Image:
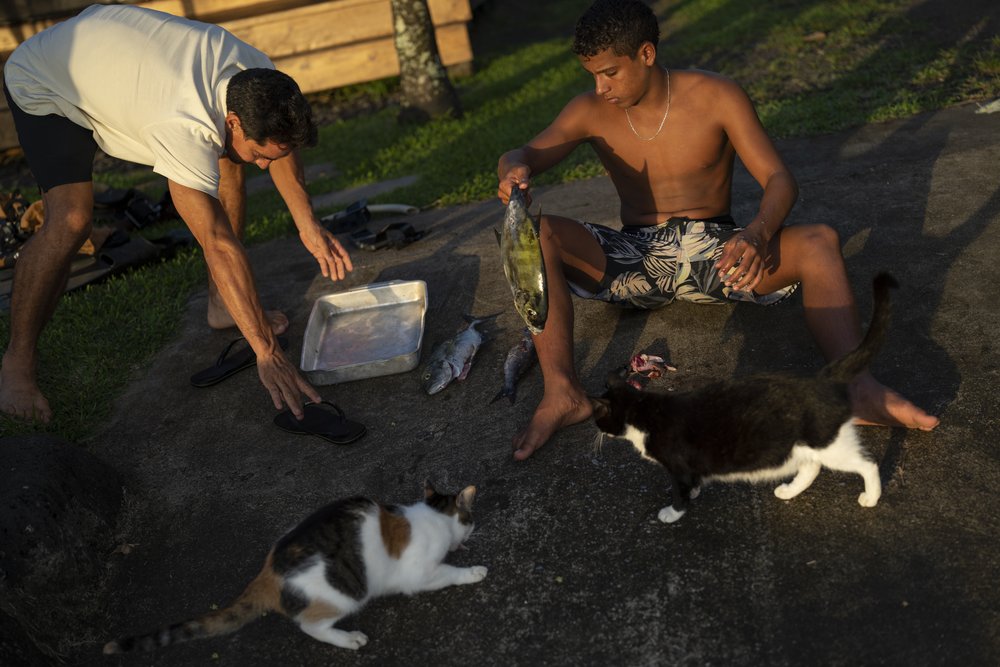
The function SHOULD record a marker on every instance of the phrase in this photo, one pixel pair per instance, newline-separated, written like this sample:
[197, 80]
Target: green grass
[810, 66]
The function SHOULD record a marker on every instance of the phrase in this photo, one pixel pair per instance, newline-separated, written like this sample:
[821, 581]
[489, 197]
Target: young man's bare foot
[219, 318]
[876, 405]
[552, 414]
[20, 397]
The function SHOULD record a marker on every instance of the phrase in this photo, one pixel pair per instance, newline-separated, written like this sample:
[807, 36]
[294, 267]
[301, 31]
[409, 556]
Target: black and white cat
[758, 428]
[337, 559]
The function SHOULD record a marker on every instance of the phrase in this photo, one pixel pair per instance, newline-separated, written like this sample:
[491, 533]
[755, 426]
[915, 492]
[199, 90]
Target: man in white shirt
[195, 103]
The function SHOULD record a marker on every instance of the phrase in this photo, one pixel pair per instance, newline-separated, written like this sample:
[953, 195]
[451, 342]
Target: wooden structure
[322, 45]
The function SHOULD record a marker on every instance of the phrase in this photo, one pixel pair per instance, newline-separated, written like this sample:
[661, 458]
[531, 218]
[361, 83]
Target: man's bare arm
[760, 157]
[748, 249]
[547, 149]
[289, 178]
[230, 269]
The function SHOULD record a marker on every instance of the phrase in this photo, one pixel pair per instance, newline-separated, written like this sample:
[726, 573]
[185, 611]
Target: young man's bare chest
[686, 169]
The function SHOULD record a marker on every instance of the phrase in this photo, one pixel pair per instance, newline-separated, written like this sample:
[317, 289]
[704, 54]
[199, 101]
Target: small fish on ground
[523, 264]
[519, 359]
[452, 359]
[648, 366]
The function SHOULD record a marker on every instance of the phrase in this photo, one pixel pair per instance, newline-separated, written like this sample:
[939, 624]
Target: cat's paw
[668, 514]
[475, 574]
[695, 492]
[868, 500]
[785, 491]
[353, 640]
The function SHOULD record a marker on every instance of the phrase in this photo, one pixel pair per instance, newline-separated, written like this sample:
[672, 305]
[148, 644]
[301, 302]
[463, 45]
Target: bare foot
[555, 411]
[219, 318]
[20, 397]
[876, 405]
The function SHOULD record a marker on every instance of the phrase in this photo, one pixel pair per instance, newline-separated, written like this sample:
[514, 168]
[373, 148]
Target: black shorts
[58, 150]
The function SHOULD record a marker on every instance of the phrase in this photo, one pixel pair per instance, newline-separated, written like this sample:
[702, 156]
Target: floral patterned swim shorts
[650, 266]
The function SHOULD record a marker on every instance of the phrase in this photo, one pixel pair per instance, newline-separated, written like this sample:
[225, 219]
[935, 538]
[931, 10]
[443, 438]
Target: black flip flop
[318, 420]
[394, 235]
[230, 362]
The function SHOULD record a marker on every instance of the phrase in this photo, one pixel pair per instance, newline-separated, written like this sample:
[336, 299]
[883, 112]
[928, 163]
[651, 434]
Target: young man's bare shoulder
[583, 112]
[586, 102]
[708, 94]
[705, 85]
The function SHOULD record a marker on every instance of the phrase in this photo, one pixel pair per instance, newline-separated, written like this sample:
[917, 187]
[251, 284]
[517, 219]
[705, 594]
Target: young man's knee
[823, 236]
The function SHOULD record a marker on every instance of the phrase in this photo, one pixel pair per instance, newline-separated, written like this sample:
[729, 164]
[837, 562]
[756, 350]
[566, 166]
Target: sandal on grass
[230, 362]
[325, 420]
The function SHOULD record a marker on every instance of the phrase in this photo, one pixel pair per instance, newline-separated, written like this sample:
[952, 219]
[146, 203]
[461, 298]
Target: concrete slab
[581, 572]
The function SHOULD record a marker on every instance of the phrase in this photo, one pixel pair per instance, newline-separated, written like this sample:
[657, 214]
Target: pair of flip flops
[325, 420]
[233, 359]
[394, 235]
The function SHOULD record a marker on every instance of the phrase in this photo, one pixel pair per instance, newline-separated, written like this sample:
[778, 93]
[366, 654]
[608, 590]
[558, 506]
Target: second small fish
[452, 359]
[519, 359]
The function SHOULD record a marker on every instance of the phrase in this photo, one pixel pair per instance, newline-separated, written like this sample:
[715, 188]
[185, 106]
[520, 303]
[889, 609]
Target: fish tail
[509, 392]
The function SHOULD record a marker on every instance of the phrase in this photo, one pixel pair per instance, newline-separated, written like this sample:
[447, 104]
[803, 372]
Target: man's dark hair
[619, 25]
[271, 107]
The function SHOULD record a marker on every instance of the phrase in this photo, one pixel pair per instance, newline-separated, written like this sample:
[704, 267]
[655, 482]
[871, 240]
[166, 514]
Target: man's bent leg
[233, 197]
[811, 255]
[570, 252]
[39, 279]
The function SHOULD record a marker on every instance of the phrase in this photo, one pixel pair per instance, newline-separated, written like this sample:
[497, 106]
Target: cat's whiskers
[598, 443]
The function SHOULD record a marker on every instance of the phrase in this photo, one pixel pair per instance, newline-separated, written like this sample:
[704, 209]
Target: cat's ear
[429, 490]
[463, 500]
[601, 407]
[614, 380]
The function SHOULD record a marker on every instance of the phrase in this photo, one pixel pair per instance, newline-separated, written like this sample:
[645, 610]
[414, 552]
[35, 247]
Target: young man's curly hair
[270, 105]
[619, 25]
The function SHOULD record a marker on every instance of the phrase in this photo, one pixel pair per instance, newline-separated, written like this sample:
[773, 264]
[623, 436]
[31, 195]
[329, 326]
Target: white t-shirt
[150, 85]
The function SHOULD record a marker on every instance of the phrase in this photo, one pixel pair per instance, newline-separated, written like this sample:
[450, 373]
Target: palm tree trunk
[426, 90]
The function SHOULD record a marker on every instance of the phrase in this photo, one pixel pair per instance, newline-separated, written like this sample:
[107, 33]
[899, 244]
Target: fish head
[437, 375]
[533, 309]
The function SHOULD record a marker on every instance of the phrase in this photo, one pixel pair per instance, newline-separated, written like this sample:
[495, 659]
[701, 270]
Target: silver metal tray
[365, 332]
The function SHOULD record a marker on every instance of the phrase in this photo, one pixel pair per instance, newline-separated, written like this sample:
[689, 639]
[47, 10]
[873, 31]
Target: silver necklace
[662, 120]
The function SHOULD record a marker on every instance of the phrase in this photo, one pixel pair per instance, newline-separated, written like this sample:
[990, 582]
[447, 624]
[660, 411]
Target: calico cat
[337, 559]
[762, 427]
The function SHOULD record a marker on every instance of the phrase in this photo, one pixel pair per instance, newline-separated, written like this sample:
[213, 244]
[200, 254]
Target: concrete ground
[580, 570]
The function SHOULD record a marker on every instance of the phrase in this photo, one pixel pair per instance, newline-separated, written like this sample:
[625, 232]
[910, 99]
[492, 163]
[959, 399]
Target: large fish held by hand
[521, 253]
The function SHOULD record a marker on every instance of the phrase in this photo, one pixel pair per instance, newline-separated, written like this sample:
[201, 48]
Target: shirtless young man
[195, 103]
[668, 139]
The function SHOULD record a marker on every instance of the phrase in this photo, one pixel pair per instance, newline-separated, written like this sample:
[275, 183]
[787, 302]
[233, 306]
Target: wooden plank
[368, 61]
[314, 28]
[308, 29]
[214, 11]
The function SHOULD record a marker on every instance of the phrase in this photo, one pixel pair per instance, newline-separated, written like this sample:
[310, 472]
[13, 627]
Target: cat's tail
[261, 595]
[850, 365]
